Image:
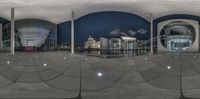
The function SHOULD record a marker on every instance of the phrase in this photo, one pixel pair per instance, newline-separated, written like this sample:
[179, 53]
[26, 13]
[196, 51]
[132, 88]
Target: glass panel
[177, 36]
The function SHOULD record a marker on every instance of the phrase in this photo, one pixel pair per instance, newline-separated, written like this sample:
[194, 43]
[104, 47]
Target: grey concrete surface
[60, 74]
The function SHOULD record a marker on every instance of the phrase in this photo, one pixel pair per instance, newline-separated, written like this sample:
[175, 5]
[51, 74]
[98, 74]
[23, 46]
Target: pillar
[72, 32]
[1, 34]
[151, 32]
[12, 45]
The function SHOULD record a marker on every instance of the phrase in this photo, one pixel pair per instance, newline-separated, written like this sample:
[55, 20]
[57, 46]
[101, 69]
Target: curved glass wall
[32, 35]
[177, 36]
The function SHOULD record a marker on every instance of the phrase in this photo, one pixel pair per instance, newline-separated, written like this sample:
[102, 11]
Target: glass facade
[32, 34]
[178, 43]
[6, 36]
[177, 36]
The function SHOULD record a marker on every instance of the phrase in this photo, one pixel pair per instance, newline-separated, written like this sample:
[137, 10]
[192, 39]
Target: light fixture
[99, 74]
[8, 62]
[169, 67]
[44, 64]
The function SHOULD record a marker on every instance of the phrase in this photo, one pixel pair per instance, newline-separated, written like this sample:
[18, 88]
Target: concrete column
[151, 32]
[1, 34]
[12, 45]
[72, 32]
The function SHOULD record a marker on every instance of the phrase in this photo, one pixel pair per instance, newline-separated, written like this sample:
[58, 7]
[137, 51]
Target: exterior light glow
[44, 64]
[8, 62]
[99, 74]
[169, 67]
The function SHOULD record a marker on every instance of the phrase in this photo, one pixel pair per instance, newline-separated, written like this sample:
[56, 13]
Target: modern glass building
[91, 49]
